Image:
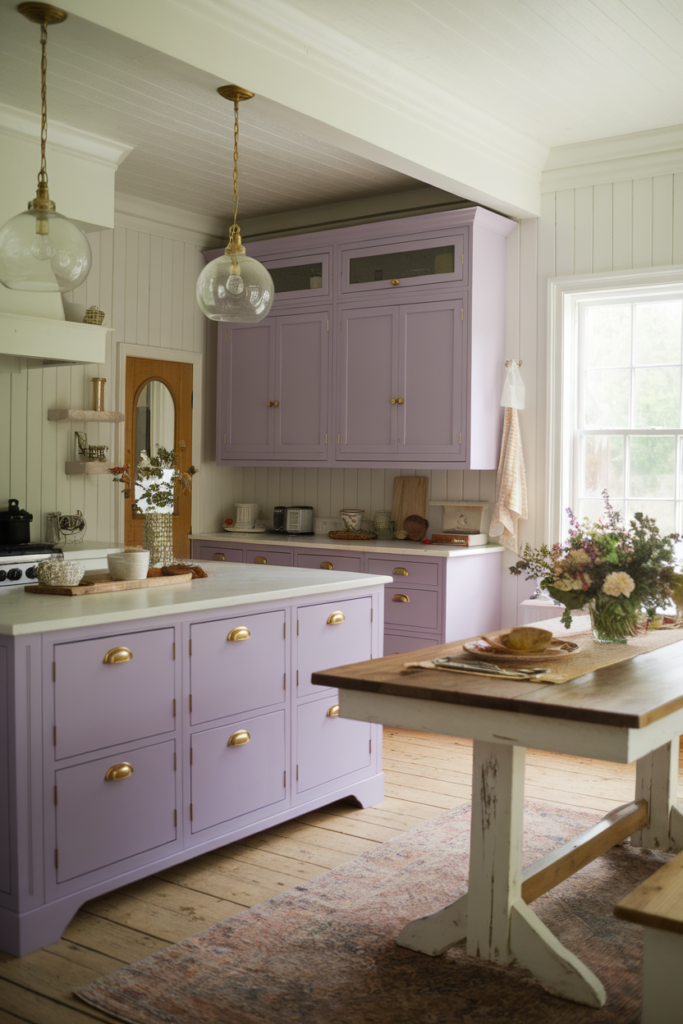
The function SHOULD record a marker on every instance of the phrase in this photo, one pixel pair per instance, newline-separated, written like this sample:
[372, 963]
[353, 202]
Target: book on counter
[460, 540]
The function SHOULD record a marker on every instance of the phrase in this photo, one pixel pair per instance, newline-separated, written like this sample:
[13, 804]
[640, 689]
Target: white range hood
[35, 341]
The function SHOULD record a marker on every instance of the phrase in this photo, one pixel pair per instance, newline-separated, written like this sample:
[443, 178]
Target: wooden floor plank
[34, 1008]
[9, 1018]
[299, 871]
[114, 940]
[347, 825]
[48, 975]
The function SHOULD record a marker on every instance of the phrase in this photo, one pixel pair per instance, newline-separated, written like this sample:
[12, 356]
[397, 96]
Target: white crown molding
[169, 221]
[621, 158]
[25, 124]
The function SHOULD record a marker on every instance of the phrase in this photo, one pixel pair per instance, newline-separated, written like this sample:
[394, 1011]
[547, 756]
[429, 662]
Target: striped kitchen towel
[511, 495]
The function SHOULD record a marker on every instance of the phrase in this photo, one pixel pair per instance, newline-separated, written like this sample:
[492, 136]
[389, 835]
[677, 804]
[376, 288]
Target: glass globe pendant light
[235, 287]
[40, 250]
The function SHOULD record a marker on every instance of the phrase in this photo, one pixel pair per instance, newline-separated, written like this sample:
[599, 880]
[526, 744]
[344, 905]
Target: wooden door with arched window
[159, 412]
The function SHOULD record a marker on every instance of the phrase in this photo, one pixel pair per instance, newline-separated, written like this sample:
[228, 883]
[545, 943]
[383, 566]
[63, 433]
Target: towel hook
[509, 361]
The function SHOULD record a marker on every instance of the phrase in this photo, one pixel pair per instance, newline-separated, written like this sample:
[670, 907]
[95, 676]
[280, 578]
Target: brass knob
[336, 618]
[238, 633]
[326, 565]
[333, 712]
[395, 281]
[269, 404]
[219, 556]
[400, 571]
[400, 401]
[119, 771]
[260, 560]
[393, 401]
[239, 738]
[276, 404]
[116, 655]
[401, 598]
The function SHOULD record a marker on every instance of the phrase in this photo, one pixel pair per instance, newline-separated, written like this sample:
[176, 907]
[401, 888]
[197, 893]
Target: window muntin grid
[629, 408]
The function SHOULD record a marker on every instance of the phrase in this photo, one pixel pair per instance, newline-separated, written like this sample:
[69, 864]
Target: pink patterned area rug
[325, 952]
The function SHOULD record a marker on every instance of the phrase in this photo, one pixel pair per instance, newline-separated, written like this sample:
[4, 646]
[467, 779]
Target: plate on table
[557, 648]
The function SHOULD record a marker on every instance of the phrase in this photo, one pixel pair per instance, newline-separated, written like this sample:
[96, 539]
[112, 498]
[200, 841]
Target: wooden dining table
[631, 711]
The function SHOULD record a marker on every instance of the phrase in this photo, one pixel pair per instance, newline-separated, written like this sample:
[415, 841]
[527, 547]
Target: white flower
[578, 556]
[618, 583]
[565, 584]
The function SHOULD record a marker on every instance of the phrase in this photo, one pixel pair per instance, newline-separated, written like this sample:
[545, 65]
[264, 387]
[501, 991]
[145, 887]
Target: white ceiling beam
[387, 114]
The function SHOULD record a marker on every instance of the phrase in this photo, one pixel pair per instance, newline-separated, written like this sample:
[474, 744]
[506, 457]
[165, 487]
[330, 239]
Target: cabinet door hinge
[175, 761]
[461, 314]
[190, 646]
[225, 438]
[284, 781]
[297, 627]
[57, 859]
[370, 746]
[192, 400]
[54, 735]
[325, 438]
[328, 326]
[175, 818]
[174, 650]
[297, 677]
[338, 438]
[190, 703]
[460, 438]
[371, 611]
[297, 773]
[54, 671]
[174, 707]
[191, 816]
[284, 681]
[340, 325]
[284, 631]
[56, 801]
[462, 258]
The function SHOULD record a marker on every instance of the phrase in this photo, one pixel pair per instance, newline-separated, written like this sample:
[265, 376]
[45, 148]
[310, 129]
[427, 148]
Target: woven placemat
[592, 655]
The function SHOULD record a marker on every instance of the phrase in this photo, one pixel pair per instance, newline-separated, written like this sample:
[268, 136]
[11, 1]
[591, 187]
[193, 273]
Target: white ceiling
[559, 71]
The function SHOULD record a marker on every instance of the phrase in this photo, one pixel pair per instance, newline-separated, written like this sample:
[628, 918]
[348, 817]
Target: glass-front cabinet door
[405, 264]
[300, 277]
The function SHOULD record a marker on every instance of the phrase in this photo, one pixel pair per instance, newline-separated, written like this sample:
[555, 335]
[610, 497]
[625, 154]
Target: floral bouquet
[615, 570]
[154, 484]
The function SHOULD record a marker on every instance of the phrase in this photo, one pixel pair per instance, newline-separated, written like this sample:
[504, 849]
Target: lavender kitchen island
[140, 729]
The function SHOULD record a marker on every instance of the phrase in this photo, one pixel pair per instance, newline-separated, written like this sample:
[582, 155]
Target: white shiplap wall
[145, 283]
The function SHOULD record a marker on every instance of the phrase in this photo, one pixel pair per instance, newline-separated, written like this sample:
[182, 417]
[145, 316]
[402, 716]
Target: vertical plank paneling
[155, 271]
[678, 219]
[337, 492]
[177, 295]
[622, 225]
[564, 237]
[583, 230]
[642, 222]
[142, 303]
[662, 220]
[602, 227]
[166, 295]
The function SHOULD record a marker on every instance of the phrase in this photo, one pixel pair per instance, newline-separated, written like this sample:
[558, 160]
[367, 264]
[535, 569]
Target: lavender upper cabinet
[367, 375]
[273, 389]
[413, 261]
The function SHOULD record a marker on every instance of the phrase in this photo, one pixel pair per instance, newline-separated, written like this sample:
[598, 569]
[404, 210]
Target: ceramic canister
[352, 518]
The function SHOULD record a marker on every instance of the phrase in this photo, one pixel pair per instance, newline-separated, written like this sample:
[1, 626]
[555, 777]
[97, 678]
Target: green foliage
[160, 491]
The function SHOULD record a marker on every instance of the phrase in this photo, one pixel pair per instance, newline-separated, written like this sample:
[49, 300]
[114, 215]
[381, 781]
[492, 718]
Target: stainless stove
[18, 561]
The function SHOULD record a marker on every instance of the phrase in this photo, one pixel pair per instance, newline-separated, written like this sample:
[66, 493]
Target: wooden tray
[102, 583]
[557, 648]
[350, 535]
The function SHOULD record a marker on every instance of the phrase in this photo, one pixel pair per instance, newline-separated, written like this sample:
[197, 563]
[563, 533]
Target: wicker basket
[93, 315]
[350, 535]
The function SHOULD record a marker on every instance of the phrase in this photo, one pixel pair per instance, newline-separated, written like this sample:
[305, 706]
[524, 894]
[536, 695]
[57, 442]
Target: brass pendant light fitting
[235, 94]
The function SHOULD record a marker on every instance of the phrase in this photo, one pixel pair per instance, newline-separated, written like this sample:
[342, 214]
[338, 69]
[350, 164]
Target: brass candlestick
[98, 393]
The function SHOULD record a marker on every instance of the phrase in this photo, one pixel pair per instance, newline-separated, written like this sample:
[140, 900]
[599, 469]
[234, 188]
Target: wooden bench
[657, 905]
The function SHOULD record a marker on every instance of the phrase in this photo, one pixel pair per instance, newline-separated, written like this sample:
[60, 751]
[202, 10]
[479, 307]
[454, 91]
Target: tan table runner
[591, 655]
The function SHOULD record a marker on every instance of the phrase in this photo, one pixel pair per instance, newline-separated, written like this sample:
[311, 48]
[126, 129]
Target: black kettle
[15, 524]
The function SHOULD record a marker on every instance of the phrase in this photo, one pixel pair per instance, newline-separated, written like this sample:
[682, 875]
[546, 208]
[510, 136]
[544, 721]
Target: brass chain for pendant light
[235, 93]
[235, 190]
[42, 174]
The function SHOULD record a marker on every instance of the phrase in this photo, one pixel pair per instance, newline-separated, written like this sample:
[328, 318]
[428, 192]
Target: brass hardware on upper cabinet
[175, 818]
[117, 655]
[191, 814]
[54, 671]
[260, 560]
[325, 438]
[190, 703]
[174, 651]
[238, 633]
[297, 627]
[190, 646]
[284, 681]
[400, 571]
[459, 438]
[395, 281]
[57, 858]
[284, 630]
[402, 598]
[326, 565]
[54, 735]
[174, 707]
[276, 404]
[393, 401]
[269, 404]
[284, 780]
[333, 712]
[399, 401]
[297, 677]
[239, 738]
[369, 746]
[297, 773]
[371, 615]
[219, 556]
[119, 771]
[191, 756]
[336, 618]
[175, 761]
[56, 801]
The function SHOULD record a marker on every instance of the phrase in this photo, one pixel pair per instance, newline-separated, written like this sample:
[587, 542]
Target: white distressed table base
[657, 782]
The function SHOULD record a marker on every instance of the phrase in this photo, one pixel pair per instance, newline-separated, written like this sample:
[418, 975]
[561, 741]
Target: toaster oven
[299, 519]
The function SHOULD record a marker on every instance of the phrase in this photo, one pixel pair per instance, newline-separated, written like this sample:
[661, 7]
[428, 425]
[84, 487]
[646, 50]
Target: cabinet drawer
[218, 554]
[228, 780]
[328, 747]
[330, 560]
[102, 822]
[102, 702]
[420, 610]
[259, 556]
[402, 643]
[322, 644]
[424, 572]
[232, 672]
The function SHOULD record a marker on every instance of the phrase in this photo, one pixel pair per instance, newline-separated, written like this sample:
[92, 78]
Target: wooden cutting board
[99, 583]
[409, 498]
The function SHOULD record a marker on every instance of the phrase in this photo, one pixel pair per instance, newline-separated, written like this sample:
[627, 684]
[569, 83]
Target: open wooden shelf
[82, 415]
[87, 468]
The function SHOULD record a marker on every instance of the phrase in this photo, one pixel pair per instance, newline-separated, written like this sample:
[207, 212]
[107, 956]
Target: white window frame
[564, 296]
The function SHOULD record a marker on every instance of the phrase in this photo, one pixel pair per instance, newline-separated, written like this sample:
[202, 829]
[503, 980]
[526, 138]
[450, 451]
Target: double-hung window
[617, 400]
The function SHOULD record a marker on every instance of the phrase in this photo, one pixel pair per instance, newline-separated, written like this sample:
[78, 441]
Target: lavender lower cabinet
[237, 665]
[268, 556]
[411, 607]
[328, 747]
[113, 808]
[331, 634]
[98, 682]
[328, 560]
[238, 769]
[217, 554]
[403, 643]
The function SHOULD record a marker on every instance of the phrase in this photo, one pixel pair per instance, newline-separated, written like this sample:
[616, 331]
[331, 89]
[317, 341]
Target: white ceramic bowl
[128, 565]
[59, 572]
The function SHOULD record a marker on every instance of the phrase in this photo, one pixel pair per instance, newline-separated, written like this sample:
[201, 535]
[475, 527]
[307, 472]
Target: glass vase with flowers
[157, 480]
[616, 571]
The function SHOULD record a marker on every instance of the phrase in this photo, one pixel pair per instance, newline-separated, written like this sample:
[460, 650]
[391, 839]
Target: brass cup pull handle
[333, 712]
[400, 571]
[239, 738]
[401, 598]
[117, 655]
[326, 565]
[336, 618]
[260, 560]
[119, 771]
[395, 281]
[219, 556]
[399, 401]
[238, 633]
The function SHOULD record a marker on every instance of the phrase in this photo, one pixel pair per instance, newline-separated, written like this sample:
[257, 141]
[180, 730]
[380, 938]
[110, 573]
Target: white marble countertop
[316, 540]
[89, 549]
[228, 584]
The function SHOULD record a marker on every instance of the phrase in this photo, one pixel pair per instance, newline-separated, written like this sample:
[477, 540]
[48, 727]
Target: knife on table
[478, 668]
